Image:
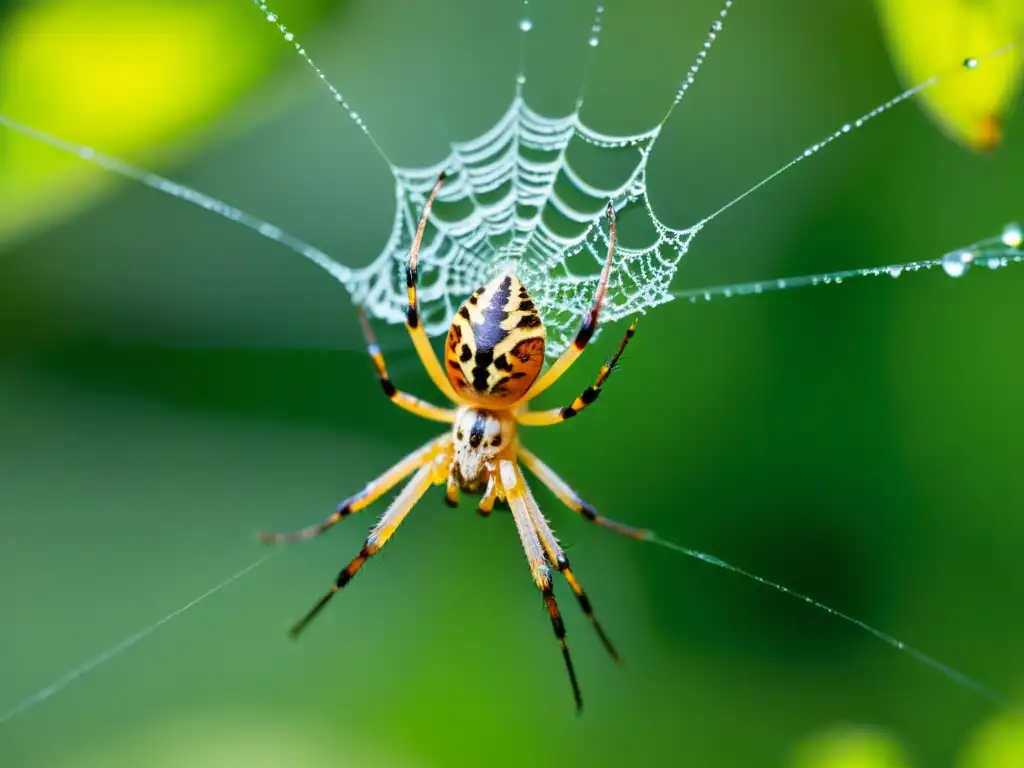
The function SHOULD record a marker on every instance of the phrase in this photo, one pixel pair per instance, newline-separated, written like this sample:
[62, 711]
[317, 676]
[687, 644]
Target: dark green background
[170, 383]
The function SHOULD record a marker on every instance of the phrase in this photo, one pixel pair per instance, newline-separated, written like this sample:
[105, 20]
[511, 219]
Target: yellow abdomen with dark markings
[495, 346]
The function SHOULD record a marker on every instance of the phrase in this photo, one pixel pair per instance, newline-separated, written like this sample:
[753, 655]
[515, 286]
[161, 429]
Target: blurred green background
[170, 383]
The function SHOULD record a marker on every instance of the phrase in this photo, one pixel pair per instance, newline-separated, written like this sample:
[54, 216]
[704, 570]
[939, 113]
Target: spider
[493, 357]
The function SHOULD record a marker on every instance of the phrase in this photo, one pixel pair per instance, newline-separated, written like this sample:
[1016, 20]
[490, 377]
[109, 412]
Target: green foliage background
[170, 384]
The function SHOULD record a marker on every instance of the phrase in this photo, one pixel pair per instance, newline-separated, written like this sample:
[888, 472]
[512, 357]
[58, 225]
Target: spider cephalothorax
[493, 358]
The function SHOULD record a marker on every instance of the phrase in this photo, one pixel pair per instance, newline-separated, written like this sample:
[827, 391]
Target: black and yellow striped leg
[378, 537]
[404, 400]
[589, 326]
[556, 555]
[413, 321]
[588, 396]
[369, 494]
[515, 491]
[572, 500]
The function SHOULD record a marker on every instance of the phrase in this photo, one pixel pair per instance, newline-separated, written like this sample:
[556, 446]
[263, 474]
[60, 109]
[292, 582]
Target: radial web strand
[47, 692]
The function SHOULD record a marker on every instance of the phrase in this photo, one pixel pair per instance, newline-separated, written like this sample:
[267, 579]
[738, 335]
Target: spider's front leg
[589, 325]
[402, 399]
[589, 395]
[413, 321]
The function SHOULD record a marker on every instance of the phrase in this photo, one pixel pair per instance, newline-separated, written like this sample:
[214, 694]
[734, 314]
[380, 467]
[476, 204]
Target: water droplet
[895, 271]
[971, 63]
[525, 25]
[289, 36]
[1012, 235]
[955, 264]
[994, 263]
[272, 18]
[716, 26]
[593, 41]
[521, 79]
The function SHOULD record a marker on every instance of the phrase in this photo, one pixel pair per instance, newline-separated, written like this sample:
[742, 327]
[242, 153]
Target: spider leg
[413, 321]
[589, 326]
[401, 399]
[369, 494]
[556, 555]
[589, 395]
[378, 537]
[515, 492]
[572, 500]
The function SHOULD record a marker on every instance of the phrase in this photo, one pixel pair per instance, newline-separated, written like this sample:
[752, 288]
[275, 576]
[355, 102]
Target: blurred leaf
[929, 37]
[122, 76]
[849, 747]
[998, 743]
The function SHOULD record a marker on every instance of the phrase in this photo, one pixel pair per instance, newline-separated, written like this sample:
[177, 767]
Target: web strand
[960, 678]
[289, 37]
[993, 253]
[188, 194]
[968, 66]
[51, 690]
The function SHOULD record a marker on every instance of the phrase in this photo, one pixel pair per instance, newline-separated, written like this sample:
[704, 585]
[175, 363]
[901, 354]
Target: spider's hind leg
[572, 500]
[557, 557]
[428, 474]
[515, 490]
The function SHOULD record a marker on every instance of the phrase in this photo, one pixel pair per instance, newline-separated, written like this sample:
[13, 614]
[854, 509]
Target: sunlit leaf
[121, 76]
[849, 747]
[928, 37]
[997, 743]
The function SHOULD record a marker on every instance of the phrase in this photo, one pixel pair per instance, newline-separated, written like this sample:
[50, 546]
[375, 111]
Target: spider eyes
[459, 435]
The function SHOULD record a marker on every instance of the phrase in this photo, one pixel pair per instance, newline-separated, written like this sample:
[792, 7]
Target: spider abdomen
[480, 437]
[495, 345]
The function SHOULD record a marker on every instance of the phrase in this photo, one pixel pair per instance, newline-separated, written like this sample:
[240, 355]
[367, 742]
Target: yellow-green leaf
[937, 37]
[121, 76]
[849, 747]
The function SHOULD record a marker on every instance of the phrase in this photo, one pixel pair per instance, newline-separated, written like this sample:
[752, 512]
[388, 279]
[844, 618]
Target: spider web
[464, 253]
[526, 206]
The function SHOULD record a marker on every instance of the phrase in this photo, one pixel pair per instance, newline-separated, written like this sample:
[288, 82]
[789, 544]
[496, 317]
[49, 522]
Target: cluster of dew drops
[956, 263]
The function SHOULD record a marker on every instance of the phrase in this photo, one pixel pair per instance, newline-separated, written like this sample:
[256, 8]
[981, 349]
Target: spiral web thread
[462, 254]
